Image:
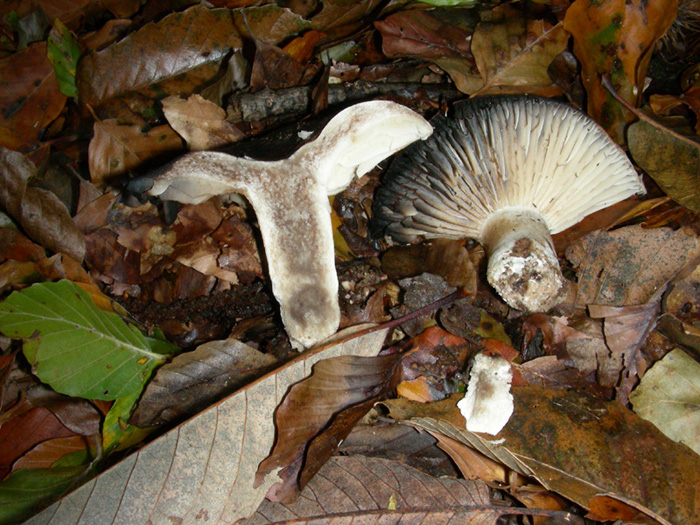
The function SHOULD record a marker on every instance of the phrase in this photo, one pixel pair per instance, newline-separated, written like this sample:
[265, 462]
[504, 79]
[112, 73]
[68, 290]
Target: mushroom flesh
[290, 199]
[508, 171]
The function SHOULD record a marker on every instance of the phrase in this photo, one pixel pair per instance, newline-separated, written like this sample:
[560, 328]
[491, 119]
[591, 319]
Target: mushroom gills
[508, 171]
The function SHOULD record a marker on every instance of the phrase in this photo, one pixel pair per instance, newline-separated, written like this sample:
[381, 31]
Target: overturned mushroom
[290, 198]
[508, 171]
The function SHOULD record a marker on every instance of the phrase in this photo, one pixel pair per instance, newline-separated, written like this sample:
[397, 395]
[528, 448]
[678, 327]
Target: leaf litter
[196, 273]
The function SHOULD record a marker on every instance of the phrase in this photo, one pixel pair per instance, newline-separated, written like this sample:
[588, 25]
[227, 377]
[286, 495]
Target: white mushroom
[290, 198]
[488, 403]
[508, 171]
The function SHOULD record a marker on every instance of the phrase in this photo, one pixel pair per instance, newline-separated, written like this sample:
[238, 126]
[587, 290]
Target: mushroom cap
[499, 152]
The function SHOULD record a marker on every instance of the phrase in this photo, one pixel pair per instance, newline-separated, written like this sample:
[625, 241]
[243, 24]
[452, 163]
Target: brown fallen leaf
[444, 257]
[371, 490]
[671, 159]
[440, 35]
[41, 215]
[29, 96]
[514, 51]
[193, 380]
[615, 39]
[629, 266]
[581, 448]
[174, 56]
[205, 466]
[115, 149]
[202, 124]
[622, 275]
[46, 453]
[337, 394]
[388, 440]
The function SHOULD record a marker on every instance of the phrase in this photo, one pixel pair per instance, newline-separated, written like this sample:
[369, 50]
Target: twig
[253, 107]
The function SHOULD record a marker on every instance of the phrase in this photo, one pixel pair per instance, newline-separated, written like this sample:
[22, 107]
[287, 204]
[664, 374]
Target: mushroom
[488, 403]
[290, 199]
[508, 171]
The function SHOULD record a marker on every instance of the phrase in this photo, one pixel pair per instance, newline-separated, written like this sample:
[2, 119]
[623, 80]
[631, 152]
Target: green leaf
[117, 432]
[27, 491]
[75, 347]
[63, 51]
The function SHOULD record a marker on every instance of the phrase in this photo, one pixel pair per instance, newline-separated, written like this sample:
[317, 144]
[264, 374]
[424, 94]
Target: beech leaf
[115, 149]
[514, 52]
[669, 396]
[672, 160]
[201, 123]
[41, 214]
[175, 55]
[30, 98]
[358, 489]
[75, 347]
[615, 39]
[193, 380]
[64, 52]
[207, 465]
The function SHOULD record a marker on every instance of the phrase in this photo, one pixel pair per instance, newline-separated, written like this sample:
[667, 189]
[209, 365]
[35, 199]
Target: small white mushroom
[508, 171]
[488, 403]
[290, 199]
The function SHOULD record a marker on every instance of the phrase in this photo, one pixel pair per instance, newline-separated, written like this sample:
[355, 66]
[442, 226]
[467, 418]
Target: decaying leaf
[581, 448]
[338, 393]
[42, 216]
[193, 380]
[201, 123]
[629, 266]
[207, 465]
[30, 98]
[622, 275]
[513, 52]
[444, 257]
[175, 55]
[115, 148]
[672, 160]
[615, 39]
[669, 397]
[359, 489]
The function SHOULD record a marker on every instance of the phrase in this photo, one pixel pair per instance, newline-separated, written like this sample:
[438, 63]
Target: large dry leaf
[201, 123]
[580, 447]
[206, 466]
[514, 52]
[360, 490]
[29, 96]
[43, 217]
[615, 39]
[176, 55]
[115, 149]
[669, 397]
[193, 380]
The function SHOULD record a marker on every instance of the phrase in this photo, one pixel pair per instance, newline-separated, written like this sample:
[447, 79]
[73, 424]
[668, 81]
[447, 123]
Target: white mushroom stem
[290, 199]
[522, 265]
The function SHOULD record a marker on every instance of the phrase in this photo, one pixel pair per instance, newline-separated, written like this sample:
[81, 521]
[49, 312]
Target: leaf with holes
[74, 346]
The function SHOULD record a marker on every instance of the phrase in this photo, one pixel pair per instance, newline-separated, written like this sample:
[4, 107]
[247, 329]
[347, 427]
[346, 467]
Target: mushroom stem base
[523, 266]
